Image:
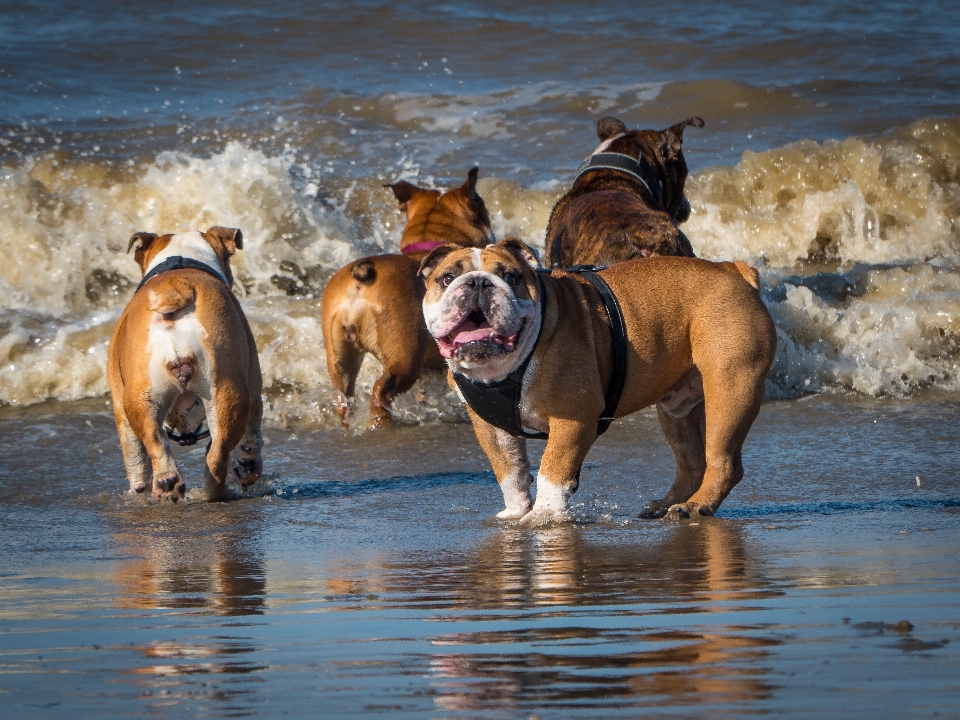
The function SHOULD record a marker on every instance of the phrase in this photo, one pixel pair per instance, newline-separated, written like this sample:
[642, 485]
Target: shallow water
[369, 578]
[830, 158]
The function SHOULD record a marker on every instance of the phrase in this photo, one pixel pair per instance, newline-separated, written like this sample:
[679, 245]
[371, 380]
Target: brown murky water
[369, 578]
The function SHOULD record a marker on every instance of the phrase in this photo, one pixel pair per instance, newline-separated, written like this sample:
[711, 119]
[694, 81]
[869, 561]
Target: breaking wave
[856, 239]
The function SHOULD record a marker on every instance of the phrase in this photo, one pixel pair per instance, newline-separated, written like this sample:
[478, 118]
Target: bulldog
[373, 304]
[182, 353]
[535, 351]
[626, 200]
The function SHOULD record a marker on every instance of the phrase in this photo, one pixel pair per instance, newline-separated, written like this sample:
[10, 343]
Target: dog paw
[248, 471]
[514, 513]
[685, 511]
[169, 486]
[653, 511]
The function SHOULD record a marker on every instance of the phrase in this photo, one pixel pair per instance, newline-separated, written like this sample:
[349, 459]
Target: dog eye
[511, 279]
[447, 278]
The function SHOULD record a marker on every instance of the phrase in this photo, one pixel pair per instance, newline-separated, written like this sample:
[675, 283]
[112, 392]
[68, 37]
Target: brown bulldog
[546, 343]
[626, 200]
[183, 352]
[373, 304]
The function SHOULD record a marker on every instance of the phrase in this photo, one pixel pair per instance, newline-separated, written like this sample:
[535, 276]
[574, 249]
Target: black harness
[499, 403]
[178, 262]
[640, 170]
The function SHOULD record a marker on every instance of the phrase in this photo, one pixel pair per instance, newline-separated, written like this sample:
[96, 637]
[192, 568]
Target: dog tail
[173, 295]
[364, 271]
[747, 272]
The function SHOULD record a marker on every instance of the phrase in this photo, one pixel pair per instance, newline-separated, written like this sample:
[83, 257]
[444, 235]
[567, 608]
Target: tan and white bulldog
[183, 352]
[492, 310]
[372, 305]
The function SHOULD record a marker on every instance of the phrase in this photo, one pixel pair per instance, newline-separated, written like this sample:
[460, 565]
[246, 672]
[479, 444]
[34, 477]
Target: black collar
[640, 170]
[499, 403]
[178, 262]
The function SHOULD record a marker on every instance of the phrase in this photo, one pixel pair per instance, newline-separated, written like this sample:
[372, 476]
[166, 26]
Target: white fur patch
[551, 499]
[602, 147]
[190, 245]
[477, 261]
[516, 495]
[167, 341]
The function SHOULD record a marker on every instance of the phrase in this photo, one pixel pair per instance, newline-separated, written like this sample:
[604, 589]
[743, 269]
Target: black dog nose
[479, 282]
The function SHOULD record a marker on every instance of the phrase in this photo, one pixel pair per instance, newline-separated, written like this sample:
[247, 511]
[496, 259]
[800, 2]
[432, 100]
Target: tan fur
[372, 305]
[224, 375]
[172, 296]
[691, 316]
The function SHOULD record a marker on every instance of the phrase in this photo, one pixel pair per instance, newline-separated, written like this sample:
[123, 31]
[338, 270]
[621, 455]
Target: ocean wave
[856, 240]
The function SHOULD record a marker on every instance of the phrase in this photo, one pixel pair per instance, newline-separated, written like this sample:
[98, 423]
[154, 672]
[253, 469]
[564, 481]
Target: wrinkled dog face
[481, 305]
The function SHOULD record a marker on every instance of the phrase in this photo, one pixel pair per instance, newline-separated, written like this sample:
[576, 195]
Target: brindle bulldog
[373, 304]
[626, 200]
[504, 324]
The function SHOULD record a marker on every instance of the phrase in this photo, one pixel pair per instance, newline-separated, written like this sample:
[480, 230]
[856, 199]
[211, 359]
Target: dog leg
[687, 437]
[225, 415]
[559, 474]
[728, 420]
[508, 457]
[393, 382]
[135, 457]
[147, 425]
[250, 467]
[343, 363]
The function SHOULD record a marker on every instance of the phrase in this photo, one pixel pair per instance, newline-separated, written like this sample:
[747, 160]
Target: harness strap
[190, 438]
[618, 337]
[178, 262]
[423, 246]
[640, 170]
[499, 403]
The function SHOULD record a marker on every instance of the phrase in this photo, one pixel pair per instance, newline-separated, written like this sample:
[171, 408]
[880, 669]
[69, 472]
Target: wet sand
[370, 578]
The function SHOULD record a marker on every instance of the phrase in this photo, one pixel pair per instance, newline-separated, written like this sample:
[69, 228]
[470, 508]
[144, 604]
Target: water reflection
[207, 567]
[605, 624]
[176, 566]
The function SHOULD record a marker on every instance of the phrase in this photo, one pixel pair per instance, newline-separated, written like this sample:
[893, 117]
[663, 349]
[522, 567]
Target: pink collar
[424, 246]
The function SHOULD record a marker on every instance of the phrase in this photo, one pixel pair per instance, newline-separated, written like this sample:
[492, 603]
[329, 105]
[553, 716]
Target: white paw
[516, 497]
[550, 506]
[513, 513]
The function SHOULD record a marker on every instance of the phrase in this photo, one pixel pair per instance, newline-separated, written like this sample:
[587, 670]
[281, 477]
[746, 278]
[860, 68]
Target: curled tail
[172, 296]
[363, 271]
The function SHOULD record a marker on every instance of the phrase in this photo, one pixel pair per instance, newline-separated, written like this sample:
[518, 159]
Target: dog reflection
[221, 572]
[649, 659]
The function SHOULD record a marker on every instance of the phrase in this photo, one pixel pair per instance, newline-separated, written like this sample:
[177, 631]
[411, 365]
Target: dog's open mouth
[475, 329]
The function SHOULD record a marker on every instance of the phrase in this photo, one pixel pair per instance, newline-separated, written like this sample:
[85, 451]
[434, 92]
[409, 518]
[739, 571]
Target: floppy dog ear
[144, 238]
[143, 241]
[434, 257]
[470, 186]
[403, 191]
[609, 127]
[672, 138]
[231, 238]
[521, 251]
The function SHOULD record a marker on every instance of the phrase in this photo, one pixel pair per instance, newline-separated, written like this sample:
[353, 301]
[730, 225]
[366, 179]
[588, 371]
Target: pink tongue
[466, 336]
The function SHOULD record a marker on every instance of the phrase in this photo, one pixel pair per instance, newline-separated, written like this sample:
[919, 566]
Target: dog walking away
[560, 355]
[373, 304]
[626, 200]
[182, 353]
